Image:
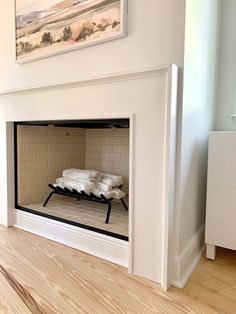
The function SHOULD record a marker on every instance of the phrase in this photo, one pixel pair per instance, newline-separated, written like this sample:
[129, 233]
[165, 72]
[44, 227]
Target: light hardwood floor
[41, 276]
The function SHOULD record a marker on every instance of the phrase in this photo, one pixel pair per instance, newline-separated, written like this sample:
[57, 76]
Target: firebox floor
[87, 213]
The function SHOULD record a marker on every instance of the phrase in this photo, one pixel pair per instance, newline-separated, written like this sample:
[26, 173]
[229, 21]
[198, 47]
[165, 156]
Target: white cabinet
[221, 192]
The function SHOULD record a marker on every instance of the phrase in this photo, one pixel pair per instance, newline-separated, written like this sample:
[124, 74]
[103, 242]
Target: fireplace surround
[148, 98]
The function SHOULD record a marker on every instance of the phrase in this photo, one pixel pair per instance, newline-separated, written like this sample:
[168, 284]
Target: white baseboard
[185, 263]
[105, 247]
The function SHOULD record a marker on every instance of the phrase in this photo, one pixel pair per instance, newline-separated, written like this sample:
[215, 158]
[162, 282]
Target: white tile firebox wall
[45, 151]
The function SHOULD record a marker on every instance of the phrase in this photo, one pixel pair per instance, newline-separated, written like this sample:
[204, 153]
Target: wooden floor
[41, 276]
[88, 213]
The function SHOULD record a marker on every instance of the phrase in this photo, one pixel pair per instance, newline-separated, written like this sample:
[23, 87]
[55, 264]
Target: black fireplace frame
[89, 124]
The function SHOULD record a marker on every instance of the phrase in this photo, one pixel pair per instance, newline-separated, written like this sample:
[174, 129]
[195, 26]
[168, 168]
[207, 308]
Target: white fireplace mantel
[148, 97]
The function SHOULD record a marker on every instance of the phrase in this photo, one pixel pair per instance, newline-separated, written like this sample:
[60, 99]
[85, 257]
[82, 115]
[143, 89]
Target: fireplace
[147, 98]
[45, 149]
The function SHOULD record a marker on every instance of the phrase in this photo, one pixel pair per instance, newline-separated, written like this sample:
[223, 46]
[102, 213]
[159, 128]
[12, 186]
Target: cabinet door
[221, 190]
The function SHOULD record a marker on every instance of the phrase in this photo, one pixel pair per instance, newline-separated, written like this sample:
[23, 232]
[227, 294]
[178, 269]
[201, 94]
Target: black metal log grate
[84, 196]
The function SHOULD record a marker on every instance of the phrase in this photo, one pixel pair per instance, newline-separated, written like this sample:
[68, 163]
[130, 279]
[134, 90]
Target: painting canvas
[49, 27]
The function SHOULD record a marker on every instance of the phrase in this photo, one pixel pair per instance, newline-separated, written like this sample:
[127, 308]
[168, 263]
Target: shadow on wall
[192, 198]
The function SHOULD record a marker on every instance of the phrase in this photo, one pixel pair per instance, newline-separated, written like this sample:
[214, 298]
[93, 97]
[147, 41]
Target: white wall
[226, 95]
[155, 37]
[197, 116]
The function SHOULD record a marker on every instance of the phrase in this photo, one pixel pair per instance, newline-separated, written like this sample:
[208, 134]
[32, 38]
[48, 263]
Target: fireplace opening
[76, 172]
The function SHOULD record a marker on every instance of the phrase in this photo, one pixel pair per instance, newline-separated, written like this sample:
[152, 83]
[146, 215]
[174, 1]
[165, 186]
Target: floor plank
[10, 302]
[64, 280]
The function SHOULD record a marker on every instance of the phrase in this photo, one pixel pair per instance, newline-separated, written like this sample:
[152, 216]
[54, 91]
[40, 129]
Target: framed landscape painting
[49, 27]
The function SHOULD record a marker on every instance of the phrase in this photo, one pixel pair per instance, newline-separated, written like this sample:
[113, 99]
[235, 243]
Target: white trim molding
[105, 247]
[90, 81]
[185, 263]
[169, 185]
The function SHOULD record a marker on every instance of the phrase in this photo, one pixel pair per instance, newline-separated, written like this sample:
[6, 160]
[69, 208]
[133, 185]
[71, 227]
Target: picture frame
[50, 27]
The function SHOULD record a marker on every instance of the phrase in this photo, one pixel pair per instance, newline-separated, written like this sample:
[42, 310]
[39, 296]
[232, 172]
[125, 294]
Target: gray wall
[226, 88]
[200, 65]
